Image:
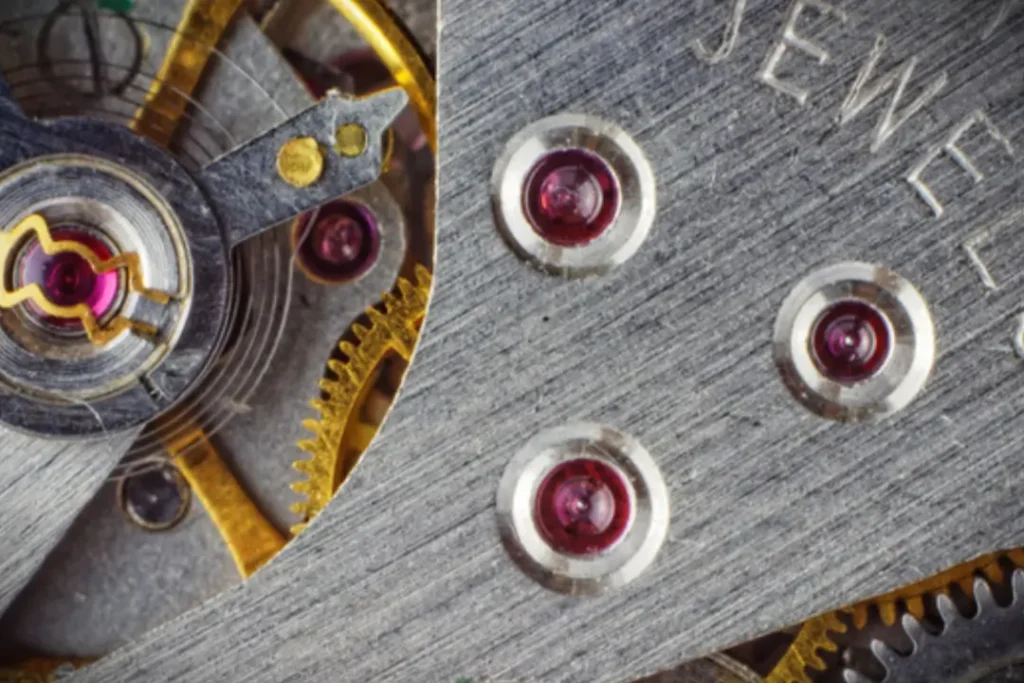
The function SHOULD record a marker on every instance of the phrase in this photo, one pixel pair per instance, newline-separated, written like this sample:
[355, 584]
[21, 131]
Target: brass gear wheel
[802, 659]
[393, 328]
[802, 653]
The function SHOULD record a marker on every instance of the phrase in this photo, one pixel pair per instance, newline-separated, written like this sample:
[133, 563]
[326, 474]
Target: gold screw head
[350, 140]
[300, 162]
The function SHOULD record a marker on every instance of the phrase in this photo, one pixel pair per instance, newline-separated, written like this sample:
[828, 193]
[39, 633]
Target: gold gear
[395, 328]
[801, 658]
[802, 653]
[912, 598]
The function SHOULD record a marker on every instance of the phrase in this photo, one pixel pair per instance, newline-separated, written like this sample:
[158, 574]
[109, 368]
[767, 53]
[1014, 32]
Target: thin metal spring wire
[209, 405]
[209, 148]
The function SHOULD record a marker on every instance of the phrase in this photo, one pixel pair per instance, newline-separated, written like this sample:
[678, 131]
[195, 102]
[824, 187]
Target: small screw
[300, 162]
[350, 140]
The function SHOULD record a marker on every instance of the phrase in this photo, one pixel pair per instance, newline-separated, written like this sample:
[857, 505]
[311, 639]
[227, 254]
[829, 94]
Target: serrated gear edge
[801, 657]
[802, 654]
[391, 329]
[966, 646]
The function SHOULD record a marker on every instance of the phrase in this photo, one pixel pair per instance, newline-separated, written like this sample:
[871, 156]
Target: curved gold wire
[201, 28]
[382, 33]
[203, 23]
[129, 262]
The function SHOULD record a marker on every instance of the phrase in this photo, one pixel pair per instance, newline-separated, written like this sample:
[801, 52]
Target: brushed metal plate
[776, 514]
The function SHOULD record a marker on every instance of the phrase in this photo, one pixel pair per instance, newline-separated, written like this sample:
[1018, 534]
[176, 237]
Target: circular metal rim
[183, 489]
[582, 575]
[204, 256]
[382, 205]
[390, 42]
[114, 225]
[910, 360]
[637, 194]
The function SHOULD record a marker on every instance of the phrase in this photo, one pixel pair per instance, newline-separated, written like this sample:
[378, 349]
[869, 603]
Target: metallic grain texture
[985, 647]
[107, 580]
[42, 486]
[777, 515]
[133, 165]
[249, 196]
[635, 185]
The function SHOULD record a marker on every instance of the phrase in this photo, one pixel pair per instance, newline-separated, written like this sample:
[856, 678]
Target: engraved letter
[862, 94]
[970, 246]
[791, 39]
[959, 157]
[729, 36]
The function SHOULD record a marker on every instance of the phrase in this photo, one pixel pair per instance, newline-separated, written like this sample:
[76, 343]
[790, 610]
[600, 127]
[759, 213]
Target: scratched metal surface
[776, 514]
[43, 485]
[108, 580]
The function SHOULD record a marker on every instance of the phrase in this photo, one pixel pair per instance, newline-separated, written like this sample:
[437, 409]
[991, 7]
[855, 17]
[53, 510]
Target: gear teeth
[803, 652]
[337, 367]
[423, 278]
[960, 651]
[851, 676]
[305, 467]
[1018, 586]
[914, 631]
[406, 289]
[994, 573]
[376, 317]
[975, 578]
[330, 387]
[912, 598]
[392, 325]
[887, 656]
[347, 348]
[948, 610]
[310, 446]
[887, 611]
[984, 598]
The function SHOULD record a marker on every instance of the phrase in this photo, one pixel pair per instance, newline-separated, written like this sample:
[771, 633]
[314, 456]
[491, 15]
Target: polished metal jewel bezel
[905, 371]
[637, 204]
[623, 561]
[377, 199]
